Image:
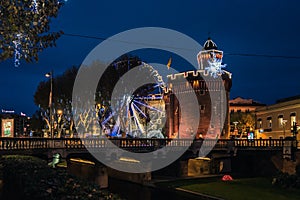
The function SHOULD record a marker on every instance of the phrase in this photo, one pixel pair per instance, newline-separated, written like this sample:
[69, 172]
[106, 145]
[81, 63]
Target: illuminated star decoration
[18, 46]
[215, 67]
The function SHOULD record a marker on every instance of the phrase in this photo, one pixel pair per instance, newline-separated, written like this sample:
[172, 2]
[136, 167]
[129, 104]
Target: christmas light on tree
[34, 6]
[18, 48]
[24, 29]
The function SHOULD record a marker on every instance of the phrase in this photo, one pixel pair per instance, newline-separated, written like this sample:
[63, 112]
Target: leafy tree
[37, 122]
[100, 109]
[25, 26]
[62, 96]
[246, 121]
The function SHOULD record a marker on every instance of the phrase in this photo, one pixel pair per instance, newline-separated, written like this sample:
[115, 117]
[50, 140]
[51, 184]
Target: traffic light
[295, 128]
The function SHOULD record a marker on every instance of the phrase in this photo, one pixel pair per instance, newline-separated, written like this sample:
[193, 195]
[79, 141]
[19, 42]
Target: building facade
[206, 82]
[277, 120]
[242, 117]
[14, 125]
[240, 104]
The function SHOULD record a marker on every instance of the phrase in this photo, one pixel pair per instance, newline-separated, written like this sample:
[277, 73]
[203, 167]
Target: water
[132, 191]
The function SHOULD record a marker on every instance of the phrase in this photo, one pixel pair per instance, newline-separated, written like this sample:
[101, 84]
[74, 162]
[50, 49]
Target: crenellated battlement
[193, 74]
[184, 75]
[200, 80]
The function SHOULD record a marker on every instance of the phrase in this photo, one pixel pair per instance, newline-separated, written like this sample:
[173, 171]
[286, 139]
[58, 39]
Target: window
[259, 123]
[293, 118]
[196, 84]
[269, 119]
[202, 108]
[280, 120]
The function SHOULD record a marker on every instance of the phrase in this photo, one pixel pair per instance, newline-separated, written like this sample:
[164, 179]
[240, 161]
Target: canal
[117, 183]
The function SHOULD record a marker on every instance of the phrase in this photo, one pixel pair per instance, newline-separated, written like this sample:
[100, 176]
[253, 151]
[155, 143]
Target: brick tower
[207, 81]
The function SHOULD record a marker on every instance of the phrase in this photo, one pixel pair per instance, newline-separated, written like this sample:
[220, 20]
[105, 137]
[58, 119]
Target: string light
[35, 6]
[18, 48]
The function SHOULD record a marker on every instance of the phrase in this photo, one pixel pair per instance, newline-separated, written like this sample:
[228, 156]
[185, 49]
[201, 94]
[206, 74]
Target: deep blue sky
[248, 27]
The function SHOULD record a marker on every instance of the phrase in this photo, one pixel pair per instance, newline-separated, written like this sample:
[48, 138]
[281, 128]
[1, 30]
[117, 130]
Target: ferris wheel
[140, 113]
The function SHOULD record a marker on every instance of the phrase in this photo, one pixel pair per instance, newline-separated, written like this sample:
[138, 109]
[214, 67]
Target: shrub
[285, 180]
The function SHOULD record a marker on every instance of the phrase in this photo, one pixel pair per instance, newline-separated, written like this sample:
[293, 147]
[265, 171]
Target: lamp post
[50, 75]
[59, 122]
[235, 130]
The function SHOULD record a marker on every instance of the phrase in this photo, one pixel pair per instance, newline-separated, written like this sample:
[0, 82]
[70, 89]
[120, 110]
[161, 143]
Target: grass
[246, 189]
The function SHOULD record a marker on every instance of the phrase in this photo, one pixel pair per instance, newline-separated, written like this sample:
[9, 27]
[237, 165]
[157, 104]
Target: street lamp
[59, 122]
[50, 75]
[59, 112]
[235, 130]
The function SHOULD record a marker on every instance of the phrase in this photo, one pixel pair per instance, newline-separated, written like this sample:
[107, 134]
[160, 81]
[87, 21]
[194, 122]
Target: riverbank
[29, 178]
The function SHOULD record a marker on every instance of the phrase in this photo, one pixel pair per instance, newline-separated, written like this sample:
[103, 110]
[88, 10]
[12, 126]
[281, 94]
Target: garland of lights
[35, 6]
[18, 48]
[19, 36]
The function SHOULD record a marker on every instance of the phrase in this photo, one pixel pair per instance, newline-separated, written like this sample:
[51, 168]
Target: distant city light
[7, 111]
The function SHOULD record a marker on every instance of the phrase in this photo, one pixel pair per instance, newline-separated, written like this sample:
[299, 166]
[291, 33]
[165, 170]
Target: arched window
[280, 120]
[293, 118]
[259, 123]
[269, 119]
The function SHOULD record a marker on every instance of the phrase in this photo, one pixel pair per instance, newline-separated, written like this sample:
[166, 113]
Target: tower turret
[208, 54]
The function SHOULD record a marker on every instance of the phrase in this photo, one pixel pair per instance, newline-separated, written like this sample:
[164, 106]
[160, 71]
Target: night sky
[269, 27]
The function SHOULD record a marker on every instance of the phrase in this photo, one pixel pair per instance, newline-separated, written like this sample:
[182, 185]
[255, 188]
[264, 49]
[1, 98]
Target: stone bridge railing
[77, 143]
[136, 144]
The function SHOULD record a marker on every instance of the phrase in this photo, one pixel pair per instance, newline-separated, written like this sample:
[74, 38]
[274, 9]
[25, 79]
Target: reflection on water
[132, 191]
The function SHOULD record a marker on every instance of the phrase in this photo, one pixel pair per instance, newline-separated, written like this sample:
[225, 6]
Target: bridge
[258, 153]
[79, 145]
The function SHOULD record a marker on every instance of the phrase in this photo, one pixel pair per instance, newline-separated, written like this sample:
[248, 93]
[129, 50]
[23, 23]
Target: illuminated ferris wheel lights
[140, 110]
[150, 107]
